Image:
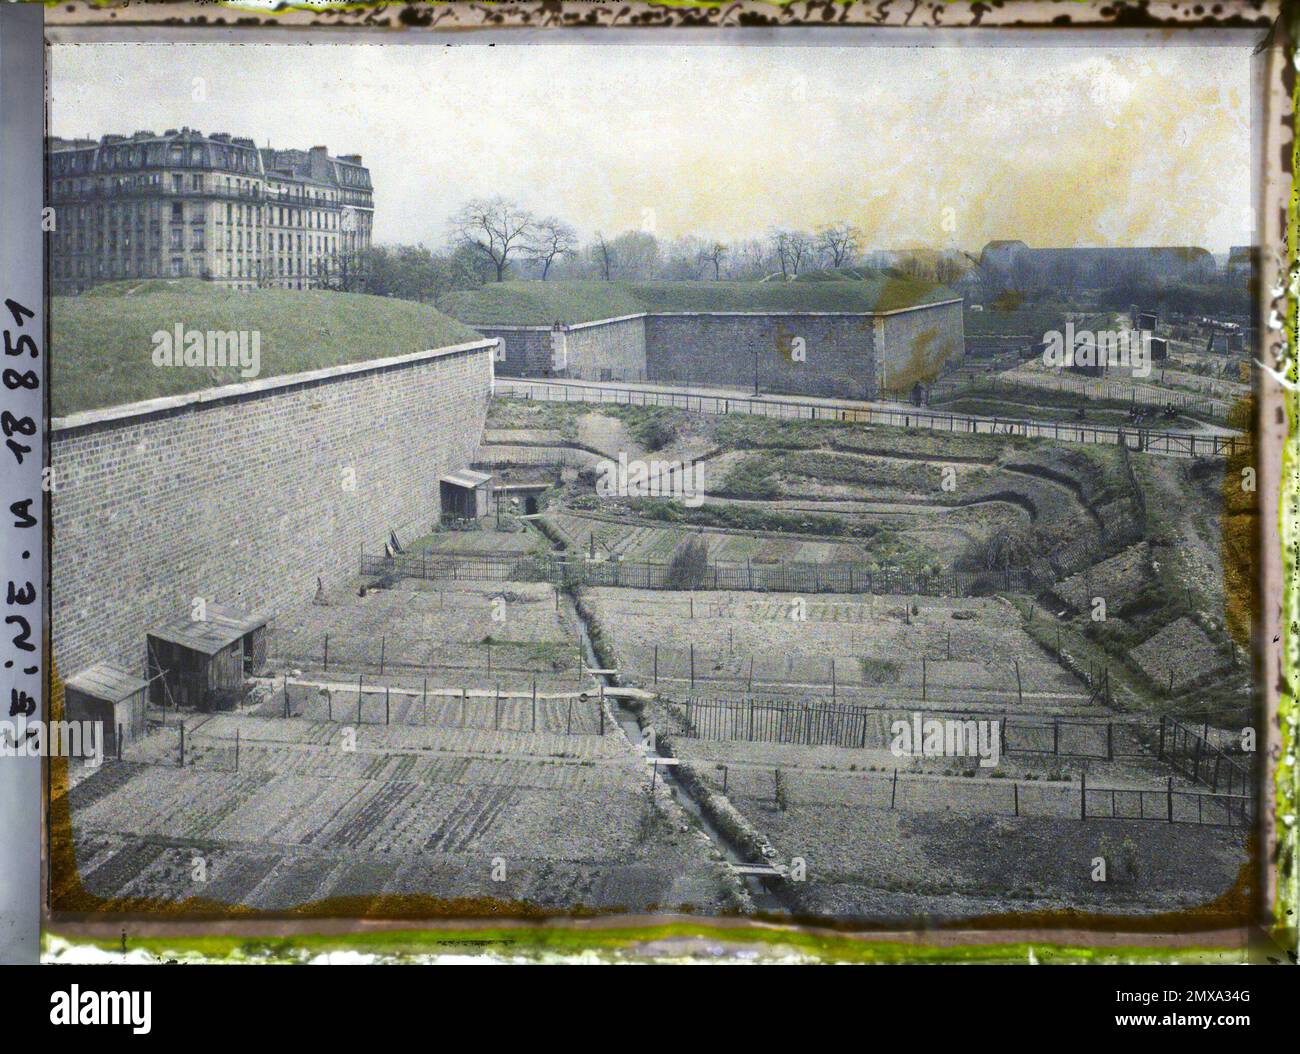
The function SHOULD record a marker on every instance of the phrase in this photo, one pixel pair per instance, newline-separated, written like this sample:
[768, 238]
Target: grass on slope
[518, 303]
[523, 303]
[101, 347]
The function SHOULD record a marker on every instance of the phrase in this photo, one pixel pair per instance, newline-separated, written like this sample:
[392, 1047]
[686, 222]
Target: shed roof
[105, 681]
[466, 477]
[221, 628]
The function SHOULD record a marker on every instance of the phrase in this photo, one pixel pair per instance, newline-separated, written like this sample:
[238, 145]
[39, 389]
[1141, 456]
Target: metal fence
[1191, 753]
[830, 724]
[781, 577]
[1174, 444]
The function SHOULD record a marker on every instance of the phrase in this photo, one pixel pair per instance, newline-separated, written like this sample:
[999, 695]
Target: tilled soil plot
[548, 820]
[848, 647]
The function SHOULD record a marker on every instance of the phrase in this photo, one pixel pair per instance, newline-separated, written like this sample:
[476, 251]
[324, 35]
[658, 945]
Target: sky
[936, 147]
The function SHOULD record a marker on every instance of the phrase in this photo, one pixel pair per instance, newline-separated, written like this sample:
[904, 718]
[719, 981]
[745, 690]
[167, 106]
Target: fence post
[327, 652]
[236, 748]
[893, 790]
[286, 695]
[568, 718]
[1169, 792]
[1020, 695]
[534, 704]
[382, 644]
[656, 673]
[1110, 740]
[1083, 795]
[386, 705]
[1015, 790]
[923, 678]
[600, 706]
[119, 742]
[182, 727]
[692, 665]
[359, 676]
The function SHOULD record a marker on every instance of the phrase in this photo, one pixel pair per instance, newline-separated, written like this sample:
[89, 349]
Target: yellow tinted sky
[917, 146]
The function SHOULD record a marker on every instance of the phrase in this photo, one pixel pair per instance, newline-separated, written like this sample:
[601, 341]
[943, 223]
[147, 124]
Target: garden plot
[410, 813]
[1117, 580]
[452, 634]
[638, 541]
[952, 846]
[1181, 654]
[485, 541]
[855, 648]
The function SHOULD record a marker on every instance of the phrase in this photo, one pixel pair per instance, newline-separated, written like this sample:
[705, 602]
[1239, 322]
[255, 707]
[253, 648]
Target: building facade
[214, 207]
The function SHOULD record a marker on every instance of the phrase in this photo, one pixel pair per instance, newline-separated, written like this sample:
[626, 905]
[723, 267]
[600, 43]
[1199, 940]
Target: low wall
[245, 494]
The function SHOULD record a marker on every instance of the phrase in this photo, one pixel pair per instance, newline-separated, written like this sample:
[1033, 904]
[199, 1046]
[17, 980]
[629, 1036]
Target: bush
[689, 564]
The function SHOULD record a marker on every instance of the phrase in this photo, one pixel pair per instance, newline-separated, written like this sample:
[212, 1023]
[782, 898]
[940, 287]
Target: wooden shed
[465, 495]
[201, 663]
[110, 696]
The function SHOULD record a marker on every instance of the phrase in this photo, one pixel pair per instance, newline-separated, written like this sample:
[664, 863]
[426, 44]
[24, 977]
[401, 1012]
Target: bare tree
[495, 227]
[792, 250]
[346, 272]
[714, 254]
[840, 242]
[605, 256]
[551, 238]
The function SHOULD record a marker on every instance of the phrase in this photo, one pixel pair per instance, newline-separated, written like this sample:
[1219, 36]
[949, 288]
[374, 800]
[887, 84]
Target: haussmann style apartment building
[215, 207]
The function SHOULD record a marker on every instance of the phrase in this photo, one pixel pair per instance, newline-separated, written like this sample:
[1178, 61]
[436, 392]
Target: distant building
[215, 207]
[1241, 261]
[1015, 262]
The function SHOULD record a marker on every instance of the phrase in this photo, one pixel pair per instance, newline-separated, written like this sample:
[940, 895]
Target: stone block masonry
[793, 353]
[245, 494]
[915, 343]
[848, 355]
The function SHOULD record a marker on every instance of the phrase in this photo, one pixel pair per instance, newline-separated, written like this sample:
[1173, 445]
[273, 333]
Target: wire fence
[828, 724]
[786, 788]
[1174, 444]
[392, 654]
[776, 577]
[572, 713]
